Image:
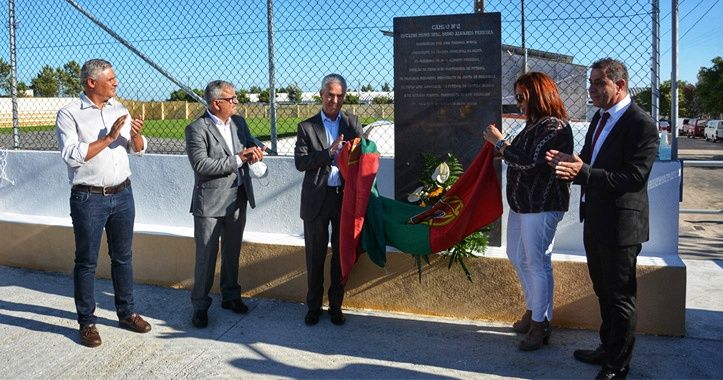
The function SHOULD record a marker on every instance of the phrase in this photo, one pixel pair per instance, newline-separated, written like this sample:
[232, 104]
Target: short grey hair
[612, 68]
[92, 68]
[333, 78]
[214, 88]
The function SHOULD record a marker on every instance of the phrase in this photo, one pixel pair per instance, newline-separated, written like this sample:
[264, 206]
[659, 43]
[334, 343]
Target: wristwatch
[500, 143]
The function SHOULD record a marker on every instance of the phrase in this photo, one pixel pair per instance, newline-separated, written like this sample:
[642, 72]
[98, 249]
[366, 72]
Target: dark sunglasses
[519, 97]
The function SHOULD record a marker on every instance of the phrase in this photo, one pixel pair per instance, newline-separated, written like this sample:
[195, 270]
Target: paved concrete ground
[38, 339]
[38, 332]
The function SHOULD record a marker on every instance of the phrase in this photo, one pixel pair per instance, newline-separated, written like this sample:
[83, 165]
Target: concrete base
[278, 271]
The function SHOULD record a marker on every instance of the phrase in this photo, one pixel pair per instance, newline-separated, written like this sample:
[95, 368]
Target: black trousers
[612, 271]
[316, 241]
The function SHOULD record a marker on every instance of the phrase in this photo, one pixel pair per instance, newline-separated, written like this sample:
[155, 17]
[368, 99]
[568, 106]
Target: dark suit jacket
[311, 156]
[616, 185]
[215, 168]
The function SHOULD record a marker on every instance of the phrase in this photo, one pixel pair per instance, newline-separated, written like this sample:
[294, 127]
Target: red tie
[599, 129]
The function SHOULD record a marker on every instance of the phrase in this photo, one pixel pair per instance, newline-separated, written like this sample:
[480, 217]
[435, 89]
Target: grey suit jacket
[214, 166]
[311, 156]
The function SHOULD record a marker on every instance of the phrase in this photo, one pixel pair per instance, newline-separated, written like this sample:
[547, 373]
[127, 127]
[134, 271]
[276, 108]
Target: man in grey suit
[220, 148]
[318, 140]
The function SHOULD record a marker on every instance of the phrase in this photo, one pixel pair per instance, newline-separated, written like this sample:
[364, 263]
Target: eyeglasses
[520, 98]
[232, 99]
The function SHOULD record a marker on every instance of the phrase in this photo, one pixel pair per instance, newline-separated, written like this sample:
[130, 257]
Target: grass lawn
[174, 129]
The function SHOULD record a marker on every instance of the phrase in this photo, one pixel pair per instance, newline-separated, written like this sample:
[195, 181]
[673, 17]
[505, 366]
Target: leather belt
[108, 190]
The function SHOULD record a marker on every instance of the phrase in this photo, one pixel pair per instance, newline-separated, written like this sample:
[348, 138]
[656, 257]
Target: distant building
[571, 78]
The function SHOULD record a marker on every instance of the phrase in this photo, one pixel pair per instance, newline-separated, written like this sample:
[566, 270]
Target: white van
[714, 130]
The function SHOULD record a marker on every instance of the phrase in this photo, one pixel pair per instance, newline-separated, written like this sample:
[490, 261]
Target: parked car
[682, 125]
[714, 130]
[696, 128]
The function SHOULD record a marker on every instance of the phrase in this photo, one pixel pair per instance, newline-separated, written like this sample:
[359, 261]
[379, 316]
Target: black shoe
[595, 356]
[337, 317]
[200, 318]
[312, 317]
[610, 373]
[237, 306]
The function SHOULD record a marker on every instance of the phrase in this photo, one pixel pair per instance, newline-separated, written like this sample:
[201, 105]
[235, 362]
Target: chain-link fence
[196, 41]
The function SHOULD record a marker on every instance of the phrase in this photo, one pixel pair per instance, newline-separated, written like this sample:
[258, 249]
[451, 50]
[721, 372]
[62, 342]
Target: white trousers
[529, 246]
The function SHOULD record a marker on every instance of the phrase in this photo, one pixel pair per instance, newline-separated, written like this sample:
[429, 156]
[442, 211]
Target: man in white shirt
[220, 148]
[95, 135]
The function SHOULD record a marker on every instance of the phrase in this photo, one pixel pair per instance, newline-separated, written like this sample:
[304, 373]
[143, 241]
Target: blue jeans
[529, 246]
[91, 213]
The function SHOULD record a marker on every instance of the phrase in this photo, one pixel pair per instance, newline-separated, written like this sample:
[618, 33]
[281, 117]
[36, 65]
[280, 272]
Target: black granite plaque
[446, 89]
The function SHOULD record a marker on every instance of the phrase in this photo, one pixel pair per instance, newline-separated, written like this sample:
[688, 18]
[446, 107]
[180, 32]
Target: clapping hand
[252, 154]
[115, 130]
[136, 127]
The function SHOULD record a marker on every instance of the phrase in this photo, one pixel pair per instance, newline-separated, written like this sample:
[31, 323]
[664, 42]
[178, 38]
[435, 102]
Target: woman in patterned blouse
[537, 199]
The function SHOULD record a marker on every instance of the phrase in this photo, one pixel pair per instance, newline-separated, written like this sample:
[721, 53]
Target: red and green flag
[370, 222]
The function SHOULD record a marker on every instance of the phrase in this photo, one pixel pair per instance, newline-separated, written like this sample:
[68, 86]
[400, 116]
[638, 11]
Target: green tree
[242, 96]
[643, 99]
[255, 90]
[382, 100]
[22, 89]
[264, 96]
[46, 83]
[69, 79]
[317, 99]
[351, 99]
[710, 87]
[692, 105]
[5, 78]
[367, 88]
[181, 96]
[294, 92]
[386, 87]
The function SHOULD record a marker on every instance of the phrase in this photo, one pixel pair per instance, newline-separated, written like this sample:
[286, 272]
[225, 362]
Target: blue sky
[201, 40]
[700, 36]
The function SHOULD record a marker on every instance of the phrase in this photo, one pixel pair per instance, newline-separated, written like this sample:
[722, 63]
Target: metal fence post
[272, 75]
[13, 76]
[674, 75]
[655, 67]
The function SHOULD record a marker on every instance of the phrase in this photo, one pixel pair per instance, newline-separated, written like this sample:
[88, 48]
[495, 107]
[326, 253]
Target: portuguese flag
[370, 222]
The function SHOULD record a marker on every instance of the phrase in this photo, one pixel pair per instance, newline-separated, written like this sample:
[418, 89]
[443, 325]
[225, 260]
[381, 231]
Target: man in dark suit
[318, 140]
[220, 148]
[613, 169]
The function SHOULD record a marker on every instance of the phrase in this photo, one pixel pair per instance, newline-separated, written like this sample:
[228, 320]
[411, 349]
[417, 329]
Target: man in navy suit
[318, 140]
[613, 169]
[220, 149]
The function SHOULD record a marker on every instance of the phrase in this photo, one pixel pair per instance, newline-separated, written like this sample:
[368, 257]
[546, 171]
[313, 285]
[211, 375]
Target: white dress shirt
[615, 112]
[225, 130]
[332, 132]
[81, 123]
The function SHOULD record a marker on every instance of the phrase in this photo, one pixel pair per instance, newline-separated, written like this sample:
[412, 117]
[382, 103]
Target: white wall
[162, 188]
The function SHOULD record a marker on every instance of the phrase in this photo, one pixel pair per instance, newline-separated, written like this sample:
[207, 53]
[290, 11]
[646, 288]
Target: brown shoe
[538, 335]
[523, 325]
[89, 336]
[135, 323]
